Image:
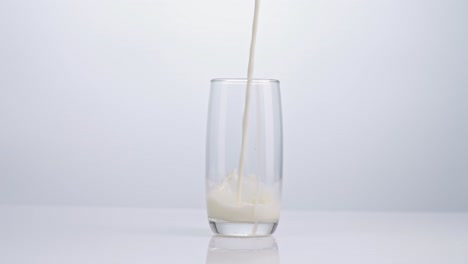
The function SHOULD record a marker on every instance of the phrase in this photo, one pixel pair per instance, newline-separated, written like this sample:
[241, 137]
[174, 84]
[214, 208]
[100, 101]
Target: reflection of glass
[230, 250]
[246, 202]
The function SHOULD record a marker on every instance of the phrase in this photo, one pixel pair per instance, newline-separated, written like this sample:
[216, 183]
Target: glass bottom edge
[242, 229]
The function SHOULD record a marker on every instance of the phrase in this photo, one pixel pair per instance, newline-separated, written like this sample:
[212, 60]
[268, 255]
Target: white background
[104, 102]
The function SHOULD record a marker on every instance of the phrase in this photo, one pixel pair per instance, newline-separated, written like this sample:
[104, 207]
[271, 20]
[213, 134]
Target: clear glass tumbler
[243, 188]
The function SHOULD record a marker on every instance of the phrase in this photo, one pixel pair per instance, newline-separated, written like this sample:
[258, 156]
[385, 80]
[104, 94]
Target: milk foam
[256, 203]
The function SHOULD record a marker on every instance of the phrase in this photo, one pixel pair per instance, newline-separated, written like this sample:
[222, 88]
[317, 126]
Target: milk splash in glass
[243, 199]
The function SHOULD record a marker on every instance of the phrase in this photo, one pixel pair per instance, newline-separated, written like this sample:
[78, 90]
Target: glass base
[242, 229]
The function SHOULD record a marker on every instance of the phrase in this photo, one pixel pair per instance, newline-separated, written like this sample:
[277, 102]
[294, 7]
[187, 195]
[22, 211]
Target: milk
[257, 202]
[242, 198]
[247, 96]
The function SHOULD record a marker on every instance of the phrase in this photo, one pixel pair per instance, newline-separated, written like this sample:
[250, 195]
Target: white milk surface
[256, 203]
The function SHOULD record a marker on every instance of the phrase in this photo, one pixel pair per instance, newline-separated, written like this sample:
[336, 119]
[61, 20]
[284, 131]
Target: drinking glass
[243, 187]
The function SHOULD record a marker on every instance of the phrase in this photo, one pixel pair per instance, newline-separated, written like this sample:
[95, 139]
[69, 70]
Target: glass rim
[244, 80]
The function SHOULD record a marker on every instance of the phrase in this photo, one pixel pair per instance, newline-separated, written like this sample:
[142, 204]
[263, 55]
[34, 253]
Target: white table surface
[124, 235]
